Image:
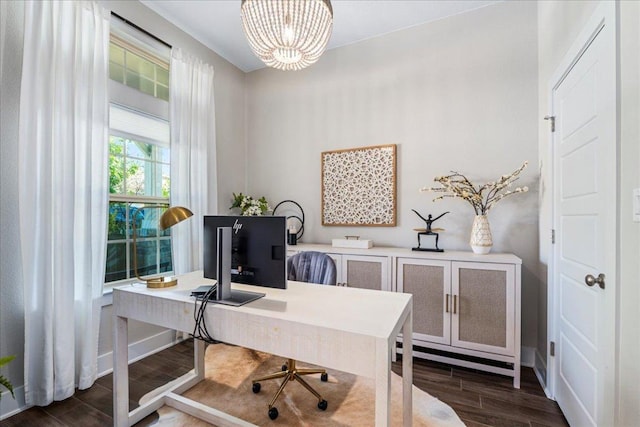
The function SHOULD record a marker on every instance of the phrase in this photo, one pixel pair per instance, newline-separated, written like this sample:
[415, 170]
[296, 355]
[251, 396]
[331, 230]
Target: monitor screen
[258, 249]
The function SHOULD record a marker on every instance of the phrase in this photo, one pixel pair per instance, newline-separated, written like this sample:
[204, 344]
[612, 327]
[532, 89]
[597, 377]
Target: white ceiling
[216, 23]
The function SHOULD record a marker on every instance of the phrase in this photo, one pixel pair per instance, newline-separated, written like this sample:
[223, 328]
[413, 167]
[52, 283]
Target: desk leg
[120, 372]
[198, 358]
[383, 383]
[407, 371]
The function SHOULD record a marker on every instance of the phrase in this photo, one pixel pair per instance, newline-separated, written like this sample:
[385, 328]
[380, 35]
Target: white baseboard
[138, 350]
[540, 369]
[10, 406]
[527, 357]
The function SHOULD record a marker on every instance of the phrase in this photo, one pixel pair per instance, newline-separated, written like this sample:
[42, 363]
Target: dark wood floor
[480, 399]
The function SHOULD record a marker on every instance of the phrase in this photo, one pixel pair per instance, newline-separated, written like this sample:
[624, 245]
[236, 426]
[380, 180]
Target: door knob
[590, 280]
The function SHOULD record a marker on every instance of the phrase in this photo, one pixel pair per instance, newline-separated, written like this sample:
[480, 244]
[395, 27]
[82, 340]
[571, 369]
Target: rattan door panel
[367, 272]
[429, 282]
[483, 316]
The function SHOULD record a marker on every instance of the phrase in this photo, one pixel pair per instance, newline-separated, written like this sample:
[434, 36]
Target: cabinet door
[368, 272]
[429, 282]
[483, 313]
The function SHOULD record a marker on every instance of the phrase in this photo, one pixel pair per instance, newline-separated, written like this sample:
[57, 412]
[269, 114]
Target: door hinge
[552, 348]
[553, 122]
[553, 236]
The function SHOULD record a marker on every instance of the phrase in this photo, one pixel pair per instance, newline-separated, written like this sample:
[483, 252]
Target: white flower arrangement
[249, 206]
[482, 198]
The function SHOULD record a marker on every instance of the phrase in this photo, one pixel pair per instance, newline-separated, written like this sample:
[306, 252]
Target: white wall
[628, 393]
[459, 93]
[230, 125]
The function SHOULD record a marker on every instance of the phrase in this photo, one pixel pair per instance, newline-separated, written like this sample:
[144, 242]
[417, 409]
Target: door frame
[604, 14]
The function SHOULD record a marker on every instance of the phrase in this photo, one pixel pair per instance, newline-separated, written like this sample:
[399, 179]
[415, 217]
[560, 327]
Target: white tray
[352, 243]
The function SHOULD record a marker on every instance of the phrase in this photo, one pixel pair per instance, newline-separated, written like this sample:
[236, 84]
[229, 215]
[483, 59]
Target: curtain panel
[63, 193]
[193, 143]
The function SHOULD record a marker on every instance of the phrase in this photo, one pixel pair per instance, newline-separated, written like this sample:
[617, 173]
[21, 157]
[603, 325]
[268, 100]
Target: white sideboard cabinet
[466, 307]
[466, 313]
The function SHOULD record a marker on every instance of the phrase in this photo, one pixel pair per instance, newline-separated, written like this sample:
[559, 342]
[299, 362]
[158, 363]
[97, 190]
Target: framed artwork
[359, 186]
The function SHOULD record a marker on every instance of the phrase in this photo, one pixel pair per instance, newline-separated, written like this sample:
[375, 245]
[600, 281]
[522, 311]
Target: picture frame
[359, 186]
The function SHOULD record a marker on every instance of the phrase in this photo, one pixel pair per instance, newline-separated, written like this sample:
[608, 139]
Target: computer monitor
[257, 250]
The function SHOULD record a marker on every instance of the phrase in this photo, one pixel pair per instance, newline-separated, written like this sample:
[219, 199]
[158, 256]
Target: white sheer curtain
[62, 176]
[193, 147]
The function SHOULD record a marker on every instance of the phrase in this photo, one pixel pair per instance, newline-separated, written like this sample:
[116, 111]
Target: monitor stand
[226, 295]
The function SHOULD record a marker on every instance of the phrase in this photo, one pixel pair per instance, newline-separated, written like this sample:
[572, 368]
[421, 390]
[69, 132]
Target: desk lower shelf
[494, 363]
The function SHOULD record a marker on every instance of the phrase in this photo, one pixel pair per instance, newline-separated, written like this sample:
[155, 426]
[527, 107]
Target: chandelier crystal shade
[287, 34]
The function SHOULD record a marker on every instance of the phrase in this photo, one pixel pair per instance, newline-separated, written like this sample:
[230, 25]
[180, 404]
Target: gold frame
[359, 186]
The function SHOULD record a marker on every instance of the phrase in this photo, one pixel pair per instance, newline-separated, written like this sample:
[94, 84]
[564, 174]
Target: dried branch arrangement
[482, 198]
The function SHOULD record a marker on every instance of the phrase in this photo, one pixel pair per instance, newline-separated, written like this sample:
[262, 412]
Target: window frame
[140, 103]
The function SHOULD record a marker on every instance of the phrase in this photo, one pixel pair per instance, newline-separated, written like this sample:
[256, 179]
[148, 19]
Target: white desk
[351, 330]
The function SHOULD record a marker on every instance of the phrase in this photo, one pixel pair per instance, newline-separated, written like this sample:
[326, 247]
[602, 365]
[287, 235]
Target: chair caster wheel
[284, 368]
[324, 377]
[273, 413]
[322, 405]
[256, 387]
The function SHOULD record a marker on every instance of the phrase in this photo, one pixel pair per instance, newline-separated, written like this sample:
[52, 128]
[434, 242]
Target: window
[137, 69]
[139, 156]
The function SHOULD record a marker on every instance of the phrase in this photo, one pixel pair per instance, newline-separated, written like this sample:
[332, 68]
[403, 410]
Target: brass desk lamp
[169, 218]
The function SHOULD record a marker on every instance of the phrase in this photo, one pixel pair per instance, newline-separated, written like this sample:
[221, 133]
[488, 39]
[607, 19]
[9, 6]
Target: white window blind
[140, 125]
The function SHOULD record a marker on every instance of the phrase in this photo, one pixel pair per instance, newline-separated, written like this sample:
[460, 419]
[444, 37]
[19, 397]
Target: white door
[584, 193]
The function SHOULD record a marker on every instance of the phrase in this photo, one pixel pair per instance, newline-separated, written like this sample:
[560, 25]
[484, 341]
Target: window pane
[116, 262]
[116, 54]
[163, 154]
[147, 221]
[117, 221]
[165, 256]
[133, 80]
[162, 92]
[134, 62]
[116, 165]
[147, 258]
[140, 65]
[147, 86]
[116, 72]
[116, 145]
[135, 178]
[139, 150]
[162, 76]
[166, 181]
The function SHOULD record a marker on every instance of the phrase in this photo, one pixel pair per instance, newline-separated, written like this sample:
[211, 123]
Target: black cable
[200, 330]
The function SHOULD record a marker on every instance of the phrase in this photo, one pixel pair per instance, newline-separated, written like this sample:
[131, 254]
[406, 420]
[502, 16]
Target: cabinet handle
[446, 304]
[455, 303]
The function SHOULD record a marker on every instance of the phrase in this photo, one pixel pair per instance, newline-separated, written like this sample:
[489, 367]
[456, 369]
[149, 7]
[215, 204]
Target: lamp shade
[287, 34]
[174, 215]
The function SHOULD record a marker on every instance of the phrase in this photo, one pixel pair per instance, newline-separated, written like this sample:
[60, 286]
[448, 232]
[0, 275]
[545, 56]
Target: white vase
[481, 241]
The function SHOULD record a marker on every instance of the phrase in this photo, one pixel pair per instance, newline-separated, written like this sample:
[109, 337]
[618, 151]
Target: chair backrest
[312, 267]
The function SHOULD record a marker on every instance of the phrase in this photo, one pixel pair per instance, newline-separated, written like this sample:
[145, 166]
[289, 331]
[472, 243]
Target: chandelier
[287, 34]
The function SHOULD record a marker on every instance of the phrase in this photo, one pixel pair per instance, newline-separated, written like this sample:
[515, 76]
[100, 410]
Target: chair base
[290, 374]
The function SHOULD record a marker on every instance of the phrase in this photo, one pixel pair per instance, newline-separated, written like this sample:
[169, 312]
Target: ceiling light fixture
[287, 34]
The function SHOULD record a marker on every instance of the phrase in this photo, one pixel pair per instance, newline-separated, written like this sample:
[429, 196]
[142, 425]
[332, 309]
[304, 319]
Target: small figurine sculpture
[428, 231]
